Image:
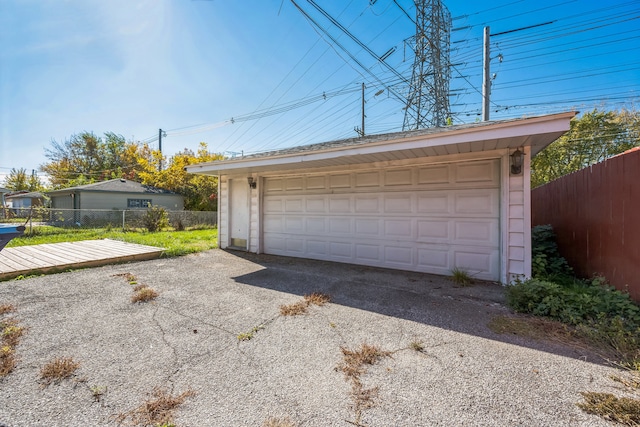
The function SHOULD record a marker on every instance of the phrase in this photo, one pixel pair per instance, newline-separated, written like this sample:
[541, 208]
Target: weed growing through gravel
[623, 410]
[144, 295]
[317, 298]
[158, 410]
[302, 307]
[246, 336]
[97, 392]
[58, 369]
[354, 366]
[538, 328]
[295, 309]
[278, 422]
[128, 277]
[10, 333]
[6, 308]
[417, 345]
[461, 277]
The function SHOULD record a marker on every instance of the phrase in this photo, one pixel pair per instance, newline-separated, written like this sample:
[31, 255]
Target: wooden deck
[52, 257]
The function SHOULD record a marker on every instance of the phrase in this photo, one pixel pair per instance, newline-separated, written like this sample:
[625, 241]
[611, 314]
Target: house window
[138, 203]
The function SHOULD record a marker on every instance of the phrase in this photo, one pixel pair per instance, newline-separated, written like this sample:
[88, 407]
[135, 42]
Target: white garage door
[428, 219]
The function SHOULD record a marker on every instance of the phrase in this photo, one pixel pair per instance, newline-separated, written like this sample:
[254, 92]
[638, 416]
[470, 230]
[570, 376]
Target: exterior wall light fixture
[252, 183]
[517, 158]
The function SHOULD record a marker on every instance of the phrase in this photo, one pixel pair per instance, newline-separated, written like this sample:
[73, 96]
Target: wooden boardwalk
[52, 257]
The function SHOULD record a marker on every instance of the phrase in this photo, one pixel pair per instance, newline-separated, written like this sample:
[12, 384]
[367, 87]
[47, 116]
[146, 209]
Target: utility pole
[160, 135]
[362, 108]
[486, 76]
[486, 65]
[360, 131]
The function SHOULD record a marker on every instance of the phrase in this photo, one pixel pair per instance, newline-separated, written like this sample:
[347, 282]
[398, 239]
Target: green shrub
[546, 262]
[156, 218]
[581, 303]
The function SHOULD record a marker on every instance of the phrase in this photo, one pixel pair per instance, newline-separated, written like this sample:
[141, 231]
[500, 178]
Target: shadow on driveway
[419, 297]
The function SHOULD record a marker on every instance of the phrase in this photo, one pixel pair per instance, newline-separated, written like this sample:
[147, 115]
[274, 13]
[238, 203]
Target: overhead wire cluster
[369, 39]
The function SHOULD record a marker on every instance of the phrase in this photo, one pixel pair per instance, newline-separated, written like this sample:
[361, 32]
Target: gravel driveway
[187, 339]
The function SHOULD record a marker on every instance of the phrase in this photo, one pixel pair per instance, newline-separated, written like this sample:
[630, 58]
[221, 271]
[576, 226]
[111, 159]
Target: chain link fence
[104, 218]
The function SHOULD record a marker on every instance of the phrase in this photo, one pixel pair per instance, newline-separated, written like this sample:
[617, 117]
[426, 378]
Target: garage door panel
[368, 252]
[434, 175]
[317, 247]
[292, 184]
[315, 205]
[293, 205]
[341, 250]
[481, 264]
[339, 205]
[480, 202]
[399, 256]
[340, 181]
[368, 179]
[397, 203]
[433, 258]
[479, 173]
[397, 177]
[315, 226]
[340, 226]
[273, 205]
[434, 203]
[367, 227]
[477, 231]
[398, 227]
[434, 230]
[316, 183]
[274, 223]
[367, 204]
[294, 224]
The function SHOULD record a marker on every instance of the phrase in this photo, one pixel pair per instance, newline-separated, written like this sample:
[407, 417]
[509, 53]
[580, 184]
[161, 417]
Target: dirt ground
[216, 331]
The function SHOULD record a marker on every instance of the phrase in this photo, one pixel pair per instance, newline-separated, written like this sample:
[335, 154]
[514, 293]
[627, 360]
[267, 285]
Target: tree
[86, 158]
[592, 138]
[18, 180]
[200, 192]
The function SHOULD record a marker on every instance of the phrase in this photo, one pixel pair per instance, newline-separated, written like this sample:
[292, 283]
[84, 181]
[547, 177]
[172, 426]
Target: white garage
[427, 201]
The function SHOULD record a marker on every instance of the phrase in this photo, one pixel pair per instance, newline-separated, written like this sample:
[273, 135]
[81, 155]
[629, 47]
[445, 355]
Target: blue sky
[191, 66]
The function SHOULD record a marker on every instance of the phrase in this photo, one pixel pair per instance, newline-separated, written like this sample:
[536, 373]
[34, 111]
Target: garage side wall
[223, 211]
[517, 240]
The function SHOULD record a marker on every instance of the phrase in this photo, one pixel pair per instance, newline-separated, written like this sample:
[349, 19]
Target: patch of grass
[143, 294]
[317, 298]
[58, 369]
[623, 410]
[353, 366]
[176, 243]
[11, 331]
[295, 309]
[158, 410]
[461, 277]
[278, 422]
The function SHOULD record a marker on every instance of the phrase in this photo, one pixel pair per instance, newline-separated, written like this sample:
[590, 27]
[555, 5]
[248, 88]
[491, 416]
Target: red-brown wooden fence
[595, 213]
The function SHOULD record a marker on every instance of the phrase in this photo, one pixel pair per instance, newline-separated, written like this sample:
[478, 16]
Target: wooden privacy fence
[595, 213]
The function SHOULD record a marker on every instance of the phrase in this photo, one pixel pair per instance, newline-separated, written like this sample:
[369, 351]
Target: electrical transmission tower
[428, 98]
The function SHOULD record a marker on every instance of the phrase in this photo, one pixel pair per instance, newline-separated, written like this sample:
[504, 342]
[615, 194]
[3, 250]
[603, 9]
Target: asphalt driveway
[187, 339]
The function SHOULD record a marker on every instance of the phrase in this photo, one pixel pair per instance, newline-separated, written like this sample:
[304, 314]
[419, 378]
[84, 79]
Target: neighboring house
[24, 200]
[115, 194]
[426, 200]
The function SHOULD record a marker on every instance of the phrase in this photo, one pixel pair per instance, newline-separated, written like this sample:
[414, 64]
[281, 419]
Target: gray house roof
[114, 186]
[31, 195]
